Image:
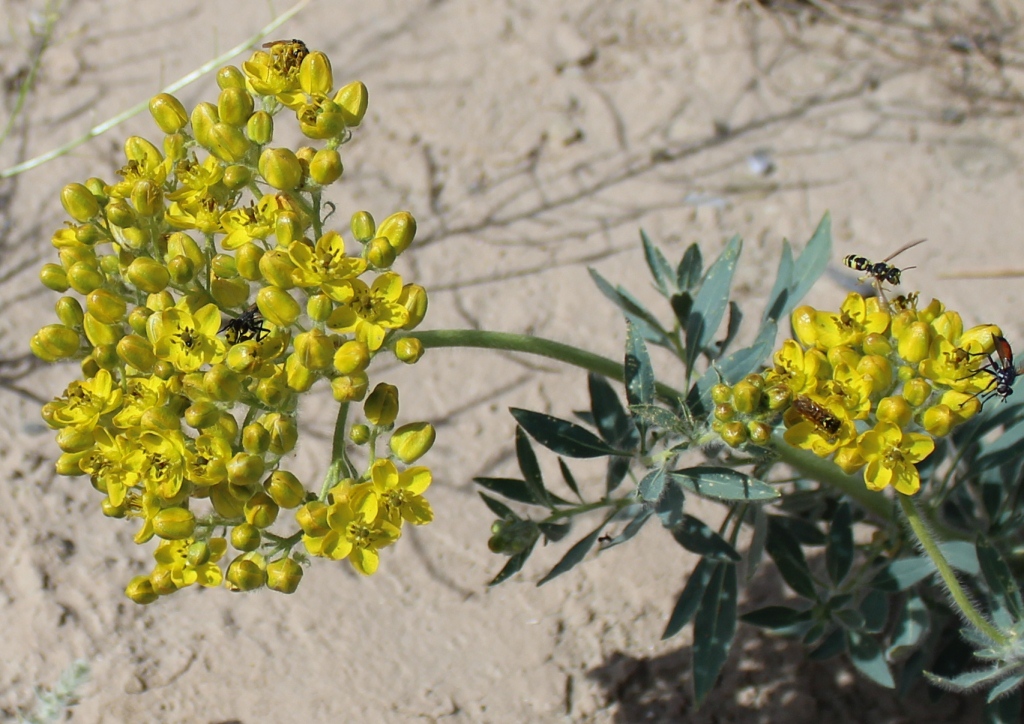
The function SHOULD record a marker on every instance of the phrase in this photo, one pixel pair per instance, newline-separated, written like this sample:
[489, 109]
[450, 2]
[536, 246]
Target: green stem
[920, 529]
[535, 345]
[338, 451]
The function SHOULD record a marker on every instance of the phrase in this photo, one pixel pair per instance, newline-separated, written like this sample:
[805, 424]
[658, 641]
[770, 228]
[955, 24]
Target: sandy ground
[530, 139]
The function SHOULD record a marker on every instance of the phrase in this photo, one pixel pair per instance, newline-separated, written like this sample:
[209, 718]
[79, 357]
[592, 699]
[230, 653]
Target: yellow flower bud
[260, 128]
[350, 388]
[69, 312]
[319, 307]
[285, 489]
[353, 99]
[916, 391]
[224, 266]
[805, 325]
[297, 375]
[759, 432]
[409, 350]
[148, 199]
[54, 277]
[322, 119]
[280, 168]
[399, 229]
[133, 237]
[245, 469]
[284, 575]
[174, 146]
[245, 537]
[105, 307]
[314, 349]
[181, 270]
[879, 370]
[245, 575]
[247, 261]
[315, 76]
[230, 293]
[363, 226]
[277, 268]
[201, 414]
[222, 383]
[380, 253]
[273, 391]
[224, 503]
[746, 397]
[243, 357]
[894, 409]
[842, 354]
[359, 434]
[276, 305]
[181, 244]
[83, 277]
[110, 510]
[174, 523]
[160, 419]
[234, 105]
[68, 464]
[724, 412]
[352, 356]
[230, 77]
[381, 407]
[326, 166]
[312, 518]
[140, 590]
[79, 202]
[168, 112]
[721, 394]
[236, 177]
[305, 155]
[849, 459]
[227, 142]
[137, 319]
[204, 115]
[875, 343]
[148, 275]
[410, 442]
[74, 439]
[734, 434]
[979, 339]
[120, 214]
[137, 351]
[100, 334]
[284, 433]
[914, 342]
[255, 438]
[414, 299]
[261, 511]
[938, 420]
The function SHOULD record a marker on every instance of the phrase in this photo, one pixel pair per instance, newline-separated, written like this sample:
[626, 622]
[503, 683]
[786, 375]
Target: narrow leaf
[610, 417]
[711, 301]
[693, 535]
[530, 468]
[567, 476]
[723, 484]
[510, 488]
[561, 436]
[690, 598]
[839, 553]
[875, 610]
[632, 528]
[514, 565]
[911, 625]
[661, 270]
[785, 550]
[690, 269]
[498, 508]
[646, 323]
[867, 656]
[714, 626]
[732, 327]
[779, 297]
[638, 372]
[576, 554]
[670, 507]
[833, 645]
[616, 473]
[999, 579]
[777, 618]
[652, 485]
[811, 264]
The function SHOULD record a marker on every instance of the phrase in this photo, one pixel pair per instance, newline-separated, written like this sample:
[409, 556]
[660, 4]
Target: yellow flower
[823, 433]
[277, 73]
[797, 369]
[141, 394]
[401, 493]
[196, 180]
[255, 221]
[113, 464]
[84, 402]
[186, 340]
[355, 532]
[163, 462]
[202, 213]
[369, 311]
[172, 556]
[208, 465]
[891, 454]
[852, 389]
[326, 265]
[145, 162]
[856, 319]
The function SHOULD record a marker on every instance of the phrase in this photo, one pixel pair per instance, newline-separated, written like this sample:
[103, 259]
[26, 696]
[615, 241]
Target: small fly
[1003, 372]
[881, 271]
[247, 325]
[817, 415]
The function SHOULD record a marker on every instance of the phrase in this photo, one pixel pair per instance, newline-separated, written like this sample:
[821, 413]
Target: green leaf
[1004, 710]
[693, 535]
[569, 479]
[637, 371]
[905, 572]
[711, 301]
[615, 473]
[510, 488]
[610, 417]
[681, 305]
[911, 626]
[497, 507]
[555, 532]
[755, 551]
[849, 618]
[661, 270]
[530, 468]
[839, 553]
[645, 322]
[690, 268]
[999, 579]
[777, 618]
[812, 264]
[868, 657]
[561, 436]
[833, 645]
[659, 417]
[690, 598]
[723, 484]
[576, 554]
[714, 626]
[785, 550]
[632, 528]
[670, 507]
[514, 565]
[806, 532]
[652, 485]
[875, 610]
[779, 297]
[732, 327]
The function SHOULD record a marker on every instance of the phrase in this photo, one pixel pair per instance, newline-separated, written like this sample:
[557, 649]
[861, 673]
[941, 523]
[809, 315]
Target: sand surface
[531, 140]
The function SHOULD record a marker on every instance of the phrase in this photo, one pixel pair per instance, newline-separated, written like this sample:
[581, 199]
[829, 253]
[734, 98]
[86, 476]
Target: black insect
[817, 415]
[291, 51]
[247, 325]
[880, 271]
[1003, 372]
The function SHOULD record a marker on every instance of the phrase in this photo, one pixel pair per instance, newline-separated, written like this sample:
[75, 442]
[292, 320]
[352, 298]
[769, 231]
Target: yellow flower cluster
[213, 298]
[870, 386]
